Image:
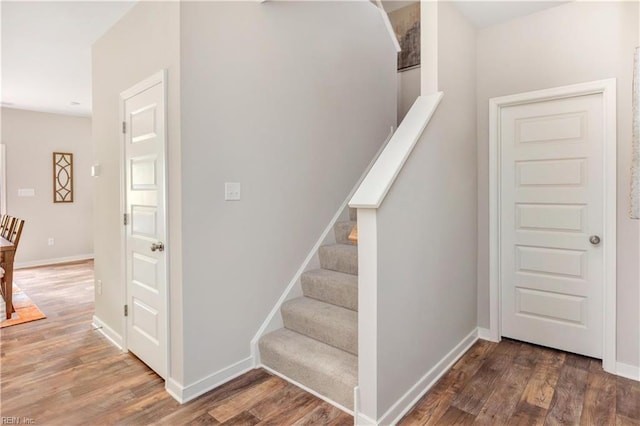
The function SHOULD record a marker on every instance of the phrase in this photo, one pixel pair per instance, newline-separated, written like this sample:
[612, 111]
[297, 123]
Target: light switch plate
[231, 191]
[26, 192]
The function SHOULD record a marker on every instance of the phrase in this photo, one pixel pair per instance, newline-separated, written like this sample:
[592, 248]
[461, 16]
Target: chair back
[3, 222]
[16, 232]
[8, 228]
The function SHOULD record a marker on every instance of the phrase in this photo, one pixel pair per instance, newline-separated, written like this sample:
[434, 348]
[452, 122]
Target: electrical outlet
[99, 287]
[50, 241]
[232, 191]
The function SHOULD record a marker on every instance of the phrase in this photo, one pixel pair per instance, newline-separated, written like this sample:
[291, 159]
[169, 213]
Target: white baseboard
[108, 332]
[174, 389]
[628, 371]
[487, 334]
[264, 328]
[361, 420]
[184, 394]
[305, 388]
[54, 261]
[417, 391]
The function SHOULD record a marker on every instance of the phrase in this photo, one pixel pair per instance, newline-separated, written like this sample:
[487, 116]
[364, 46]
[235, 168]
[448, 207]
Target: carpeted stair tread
[342, 231]
[333, 287]
[340, 258]
[327, 370]
[330, 324]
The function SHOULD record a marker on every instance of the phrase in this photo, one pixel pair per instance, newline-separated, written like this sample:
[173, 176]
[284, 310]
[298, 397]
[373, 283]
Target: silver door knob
[594, 239]
[157, 246]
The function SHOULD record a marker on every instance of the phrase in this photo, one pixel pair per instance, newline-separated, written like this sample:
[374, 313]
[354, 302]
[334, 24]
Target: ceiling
[482, 13]
[46, 45]
[486, 13]
[46, 52]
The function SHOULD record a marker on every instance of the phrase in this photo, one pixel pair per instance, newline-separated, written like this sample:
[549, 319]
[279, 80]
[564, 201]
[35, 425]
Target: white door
[552, 203]
[145, 138]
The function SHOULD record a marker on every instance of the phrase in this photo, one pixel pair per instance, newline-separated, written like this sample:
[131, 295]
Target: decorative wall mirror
[62, 177]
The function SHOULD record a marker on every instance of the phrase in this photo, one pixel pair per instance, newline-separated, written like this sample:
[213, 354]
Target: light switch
[231, 191]
[26, 192]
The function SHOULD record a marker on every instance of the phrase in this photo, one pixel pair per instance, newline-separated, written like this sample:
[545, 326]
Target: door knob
[157, 246]
[594, 239]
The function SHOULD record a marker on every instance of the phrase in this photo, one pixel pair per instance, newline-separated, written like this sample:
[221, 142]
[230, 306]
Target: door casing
[608, 90]
[159, 77]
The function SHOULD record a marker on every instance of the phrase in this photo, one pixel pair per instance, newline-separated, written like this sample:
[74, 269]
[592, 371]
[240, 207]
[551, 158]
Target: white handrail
[375, 186]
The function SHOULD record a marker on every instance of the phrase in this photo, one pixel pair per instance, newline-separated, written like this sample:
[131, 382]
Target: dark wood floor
[517, 383]
[60, 371]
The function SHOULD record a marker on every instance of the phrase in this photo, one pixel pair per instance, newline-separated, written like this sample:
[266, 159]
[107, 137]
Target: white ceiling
[46, 52]
[46, 45]
[486, 13]
[482, 13]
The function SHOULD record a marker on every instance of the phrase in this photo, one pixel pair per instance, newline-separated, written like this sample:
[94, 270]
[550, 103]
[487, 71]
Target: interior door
[552, 212]
[145, 223]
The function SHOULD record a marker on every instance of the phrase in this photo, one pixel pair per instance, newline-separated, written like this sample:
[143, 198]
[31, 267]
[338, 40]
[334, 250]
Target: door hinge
[126, 310]
[125, 219]
[124, 127]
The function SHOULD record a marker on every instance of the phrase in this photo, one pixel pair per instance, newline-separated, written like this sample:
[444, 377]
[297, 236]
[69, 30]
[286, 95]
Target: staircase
[318, 346]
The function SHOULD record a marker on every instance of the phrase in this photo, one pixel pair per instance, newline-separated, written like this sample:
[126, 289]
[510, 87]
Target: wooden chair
[3, 222]
[16, 232]
[12, 232]
[8, 228]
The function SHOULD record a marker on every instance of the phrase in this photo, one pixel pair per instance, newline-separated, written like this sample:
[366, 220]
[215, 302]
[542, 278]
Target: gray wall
[143, 42]
[31, 138]
[427, 228]
[572, 43]
[292, 100]
[408, 90]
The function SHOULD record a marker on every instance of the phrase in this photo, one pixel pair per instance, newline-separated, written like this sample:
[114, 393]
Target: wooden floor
[61, 371]
[517, 383]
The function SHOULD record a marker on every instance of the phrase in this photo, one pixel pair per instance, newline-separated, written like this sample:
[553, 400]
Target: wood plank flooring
[60, 371]
[515, 383]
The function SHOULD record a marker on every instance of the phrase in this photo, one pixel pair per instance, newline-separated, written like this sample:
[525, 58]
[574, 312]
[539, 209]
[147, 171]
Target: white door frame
[159, 77]
[608, 90]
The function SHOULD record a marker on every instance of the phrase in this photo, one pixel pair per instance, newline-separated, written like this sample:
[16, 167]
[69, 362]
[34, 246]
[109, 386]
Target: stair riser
[341, 261]
[342, 231]
[336, 386]
[338, 331]
[334, 291]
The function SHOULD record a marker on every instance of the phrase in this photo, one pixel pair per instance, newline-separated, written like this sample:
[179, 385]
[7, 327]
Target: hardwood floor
[60, 371]
[517, 383]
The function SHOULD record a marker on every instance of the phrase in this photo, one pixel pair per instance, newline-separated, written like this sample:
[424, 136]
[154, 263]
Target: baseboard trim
[54, 261]
[184, 394]
[487, 334]
[108, 332]
[628, 371]
[255, 352]
[417, 391]
[362, 420]
[174, 389]
[306, 389]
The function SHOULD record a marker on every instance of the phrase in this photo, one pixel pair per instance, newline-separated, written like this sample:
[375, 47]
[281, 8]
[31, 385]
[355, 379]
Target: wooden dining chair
[16, 232]
[3, 222]
[8, 229]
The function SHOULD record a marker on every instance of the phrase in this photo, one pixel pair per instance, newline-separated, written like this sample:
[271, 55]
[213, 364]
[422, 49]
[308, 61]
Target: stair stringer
[312, 261]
